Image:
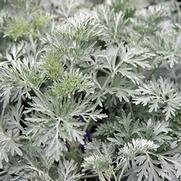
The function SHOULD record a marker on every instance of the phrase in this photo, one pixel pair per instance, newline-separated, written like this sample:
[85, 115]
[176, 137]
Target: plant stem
[131, 110]
[89, 176]
[122, 172]
[114, 176]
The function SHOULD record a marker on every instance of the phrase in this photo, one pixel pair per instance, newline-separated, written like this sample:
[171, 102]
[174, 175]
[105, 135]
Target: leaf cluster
[90, 90]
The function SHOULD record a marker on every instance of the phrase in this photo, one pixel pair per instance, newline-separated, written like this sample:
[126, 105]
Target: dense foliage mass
[90, 90]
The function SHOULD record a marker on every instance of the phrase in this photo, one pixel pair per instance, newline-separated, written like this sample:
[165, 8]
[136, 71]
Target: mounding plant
[90, 90]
